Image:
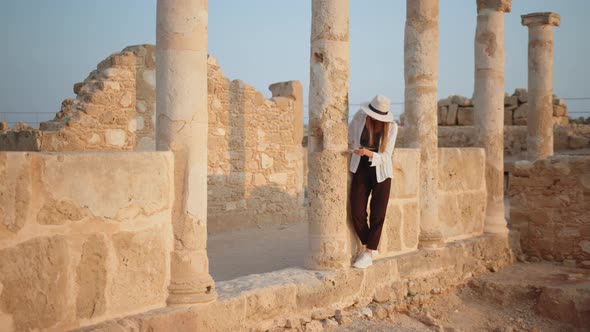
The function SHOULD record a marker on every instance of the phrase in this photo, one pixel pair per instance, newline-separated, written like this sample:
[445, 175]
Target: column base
[190, 282]
[188, 292]
[327, 255]
[496, 224]
[430, 240]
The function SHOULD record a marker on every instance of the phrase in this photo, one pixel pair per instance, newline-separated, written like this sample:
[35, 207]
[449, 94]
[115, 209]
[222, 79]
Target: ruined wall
[458, 110]
[566, 138]
[255, 153]
[550, 207]
[84, 237]
[255, 148]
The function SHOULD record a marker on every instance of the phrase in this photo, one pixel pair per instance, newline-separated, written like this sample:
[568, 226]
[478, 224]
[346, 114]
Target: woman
[371, 133]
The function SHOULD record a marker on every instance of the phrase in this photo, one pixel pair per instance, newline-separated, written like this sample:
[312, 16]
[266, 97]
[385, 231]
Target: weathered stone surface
[461, 169]
[59, 213]
[549, 206]
[91, 277]
[34, 279]
[465, 116]
[16, 192]
[405, 173]
[452, 115]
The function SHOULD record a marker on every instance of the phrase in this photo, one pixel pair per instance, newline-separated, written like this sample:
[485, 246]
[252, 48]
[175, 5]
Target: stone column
[328, 136]
[540, 94]
[488, 99]
[421, 80]
[181, 110]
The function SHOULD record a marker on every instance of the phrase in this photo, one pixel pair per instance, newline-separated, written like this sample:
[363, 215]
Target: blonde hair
[378, 127]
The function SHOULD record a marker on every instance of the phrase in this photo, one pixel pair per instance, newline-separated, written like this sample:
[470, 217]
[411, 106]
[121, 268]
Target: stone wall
[462, 198]
[296, 299]
[461, 192]
[84, 237]
[458, 110]
[402, 220]
[550, 207]
[256, 157]
[566, 138]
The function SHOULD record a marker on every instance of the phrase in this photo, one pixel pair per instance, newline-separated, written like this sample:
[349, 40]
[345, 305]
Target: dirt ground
[524, 297]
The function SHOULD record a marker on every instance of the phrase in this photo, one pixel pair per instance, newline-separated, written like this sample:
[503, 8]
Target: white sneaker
[375, 253]
[364, 261]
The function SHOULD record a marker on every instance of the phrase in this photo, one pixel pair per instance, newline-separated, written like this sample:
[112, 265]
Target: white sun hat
[378, 109]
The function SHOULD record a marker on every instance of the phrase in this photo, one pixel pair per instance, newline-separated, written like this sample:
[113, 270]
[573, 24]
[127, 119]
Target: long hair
[376, 128]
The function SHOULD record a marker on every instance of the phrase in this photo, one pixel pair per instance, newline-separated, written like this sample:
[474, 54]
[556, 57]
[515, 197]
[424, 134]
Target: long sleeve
[354, 129]
[381, 157]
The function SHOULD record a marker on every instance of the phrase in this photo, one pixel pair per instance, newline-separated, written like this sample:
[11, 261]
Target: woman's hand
[363, 152]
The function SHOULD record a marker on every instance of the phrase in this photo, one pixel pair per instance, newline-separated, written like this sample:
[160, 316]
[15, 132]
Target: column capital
[497, 5]
[547, 18]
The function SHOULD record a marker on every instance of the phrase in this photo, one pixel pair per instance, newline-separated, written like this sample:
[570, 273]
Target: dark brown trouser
[364, 181]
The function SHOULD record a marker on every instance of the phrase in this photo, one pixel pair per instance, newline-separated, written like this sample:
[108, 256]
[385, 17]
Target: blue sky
[47, 46]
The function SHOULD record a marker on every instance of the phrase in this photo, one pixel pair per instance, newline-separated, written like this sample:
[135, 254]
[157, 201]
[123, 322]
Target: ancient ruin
[106, 210]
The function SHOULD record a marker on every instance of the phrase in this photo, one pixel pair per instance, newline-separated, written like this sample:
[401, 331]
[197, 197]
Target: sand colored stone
[77, 232]
[181, 127]
[421, 82]
[540, 55]
[328, 136]
[488, 98]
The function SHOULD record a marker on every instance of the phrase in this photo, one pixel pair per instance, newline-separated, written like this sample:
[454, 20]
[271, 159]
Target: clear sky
[47, 46]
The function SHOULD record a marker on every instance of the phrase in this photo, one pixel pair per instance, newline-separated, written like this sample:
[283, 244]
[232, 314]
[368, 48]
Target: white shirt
[382, 160]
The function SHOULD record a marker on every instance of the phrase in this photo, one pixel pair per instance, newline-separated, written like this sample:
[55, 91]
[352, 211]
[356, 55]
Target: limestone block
[34, 278]
[268, 302]
[444, 102]
[140, 277]
[16, 192]
[460, 100]
[94, 139]
[511, 101]
[442, 114]
[139, 122]
[465, 116]
[392, 239]
[406, 164]
[141, 106]
[266, 161]
[452, 115]
[461, 169]
[578, 142]
[132, 125]
[522, 95]
[508, 114]
[521, 112]
[559, 110]
[116, 137]
[60, 212]
[91, 277]
[411, 226]
[279, 178]
[110, 190]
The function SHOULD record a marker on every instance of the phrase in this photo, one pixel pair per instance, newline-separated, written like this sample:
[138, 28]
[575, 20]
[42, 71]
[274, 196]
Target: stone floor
[241, 253]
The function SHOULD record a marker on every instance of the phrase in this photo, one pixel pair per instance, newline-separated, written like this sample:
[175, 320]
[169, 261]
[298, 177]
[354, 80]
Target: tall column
[488, 99]
[181, 74]
[540, 95]
[328, 136]
[421, 80]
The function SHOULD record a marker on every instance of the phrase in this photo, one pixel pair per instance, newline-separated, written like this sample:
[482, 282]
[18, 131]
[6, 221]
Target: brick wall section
[550, 207]
[256, 157]
[102, 116]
